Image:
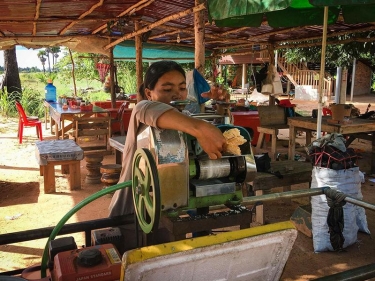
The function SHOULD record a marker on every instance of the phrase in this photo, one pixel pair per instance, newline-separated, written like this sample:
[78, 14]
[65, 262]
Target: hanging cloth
[335, 218]
[200, 86]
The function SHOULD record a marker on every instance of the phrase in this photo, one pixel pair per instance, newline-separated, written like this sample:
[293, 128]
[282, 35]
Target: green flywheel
[146, 190]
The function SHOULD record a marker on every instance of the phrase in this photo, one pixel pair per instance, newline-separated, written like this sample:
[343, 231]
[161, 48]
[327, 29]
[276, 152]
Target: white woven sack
[349, 182]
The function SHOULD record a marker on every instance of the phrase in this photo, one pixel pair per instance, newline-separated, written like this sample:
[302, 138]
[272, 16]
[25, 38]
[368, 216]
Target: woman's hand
[211, 140]
[209, 137]
[217, 92]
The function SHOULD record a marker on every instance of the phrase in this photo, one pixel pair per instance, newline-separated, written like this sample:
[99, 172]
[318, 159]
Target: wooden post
[112, 78]
[199, 41]
[271, 55]
[244, 75]
[138, 59]
[199, 38]
[73, 75]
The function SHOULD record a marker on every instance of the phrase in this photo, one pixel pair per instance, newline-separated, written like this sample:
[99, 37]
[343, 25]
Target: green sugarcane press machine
[172, 174]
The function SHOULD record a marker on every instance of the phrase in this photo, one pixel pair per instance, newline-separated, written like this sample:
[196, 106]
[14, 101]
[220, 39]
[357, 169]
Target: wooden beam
[234, 31]
[61, 19]
[364, 29]
[240, 46]
[93, 7]
[157, 23]
[164, 34]
[268, 34]
[140, 5]
[191, 31]
[313, 44]
[36, 17]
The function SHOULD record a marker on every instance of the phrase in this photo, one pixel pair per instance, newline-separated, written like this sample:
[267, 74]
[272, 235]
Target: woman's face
[170, 87]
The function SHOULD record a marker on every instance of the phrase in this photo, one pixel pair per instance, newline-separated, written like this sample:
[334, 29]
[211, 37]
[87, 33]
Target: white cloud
[25, 58]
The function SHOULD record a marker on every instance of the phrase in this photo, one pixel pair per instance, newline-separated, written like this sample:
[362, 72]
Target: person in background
[164, 82]
[107, 84]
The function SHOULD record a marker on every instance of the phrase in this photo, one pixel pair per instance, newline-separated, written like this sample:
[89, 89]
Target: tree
[11, 75]
[337, 54]
[48, 51]
[55, 54]
[41, 55]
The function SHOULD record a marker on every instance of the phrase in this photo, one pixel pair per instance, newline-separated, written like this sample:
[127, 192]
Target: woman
[164, 82]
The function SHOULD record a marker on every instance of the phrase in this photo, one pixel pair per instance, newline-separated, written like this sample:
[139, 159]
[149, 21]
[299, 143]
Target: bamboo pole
[138, 60]
[155, 24]
[199, 33]
[321, 76]
[112, 78]
[73, 75]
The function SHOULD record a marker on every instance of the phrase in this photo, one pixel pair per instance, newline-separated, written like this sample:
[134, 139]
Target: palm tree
[55, 54]
[48, 51]
[41, 55]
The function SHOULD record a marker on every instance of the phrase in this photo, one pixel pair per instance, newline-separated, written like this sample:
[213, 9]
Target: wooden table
[359, 128]
[118, 144]
[293, 172]
[59, 115]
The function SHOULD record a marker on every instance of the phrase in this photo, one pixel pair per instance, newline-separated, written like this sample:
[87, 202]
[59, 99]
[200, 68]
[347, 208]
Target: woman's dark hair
[158, 69]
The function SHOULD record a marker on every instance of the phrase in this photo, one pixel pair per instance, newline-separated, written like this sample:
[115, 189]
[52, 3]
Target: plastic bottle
[50, 91]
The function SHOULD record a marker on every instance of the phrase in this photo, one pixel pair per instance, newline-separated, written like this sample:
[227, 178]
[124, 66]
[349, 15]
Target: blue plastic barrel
[50, 92]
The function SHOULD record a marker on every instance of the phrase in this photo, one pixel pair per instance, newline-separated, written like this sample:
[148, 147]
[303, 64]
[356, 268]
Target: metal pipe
[296, 194]
[360, 203]
[356, 274]
[282, 195]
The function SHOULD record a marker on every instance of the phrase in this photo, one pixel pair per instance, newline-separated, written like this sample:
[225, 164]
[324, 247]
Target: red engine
[101, 262]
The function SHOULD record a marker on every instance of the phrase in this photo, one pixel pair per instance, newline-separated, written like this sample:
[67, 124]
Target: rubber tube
[68, 215]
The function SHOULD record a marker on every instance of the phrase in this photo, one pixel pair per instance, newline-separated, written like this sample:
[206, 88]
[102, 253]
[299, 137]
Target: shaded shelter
[292, 13]
[95, 26]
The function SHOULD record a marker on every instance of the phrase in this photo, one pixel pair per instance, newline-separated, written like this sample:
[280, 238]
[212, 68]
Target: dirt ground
[24, 206]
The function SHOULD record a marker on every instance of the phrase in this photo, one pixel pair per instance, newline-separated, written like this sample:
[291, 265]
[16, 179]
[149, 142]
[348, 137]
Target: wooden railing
[299, 75]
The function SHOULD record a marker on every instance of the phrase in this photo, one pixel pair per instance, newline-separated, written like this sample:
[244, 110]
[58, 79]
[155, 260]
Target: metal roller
[221, 168]
[210, 169]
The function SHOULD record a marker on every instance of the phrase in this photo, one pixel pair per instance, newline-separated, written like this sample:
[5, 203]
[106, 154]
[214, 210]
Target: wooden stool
[71, 167]
[271, 119]
[93, 164]
[272, 131]
[59, 152]
[110, 174]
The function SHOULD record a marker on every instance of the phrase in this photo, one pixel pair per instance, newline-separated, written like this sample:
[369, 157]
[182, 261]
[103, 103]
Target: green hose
[68, 215]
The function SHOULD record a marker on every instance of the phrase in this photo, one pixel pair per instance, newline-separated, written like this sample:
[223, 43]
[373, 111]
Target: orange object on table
[87, 107]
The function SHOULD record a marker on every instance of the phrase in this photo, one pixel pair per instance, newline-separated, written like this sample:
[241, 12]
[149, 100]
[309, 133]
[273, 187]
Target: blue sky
[25, 57]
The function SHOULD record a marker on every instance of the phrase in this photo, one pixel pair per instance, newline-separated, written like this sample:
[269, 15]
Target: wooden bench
[293, 172]
[271, 118]
[59, 152]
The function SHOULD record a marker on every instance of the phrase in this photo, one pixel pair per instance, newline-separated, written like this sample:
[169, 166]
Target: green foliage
[30, 99]
[84, 68]
[126, 76]
[42, 77]
[7, 105]
[338, 55]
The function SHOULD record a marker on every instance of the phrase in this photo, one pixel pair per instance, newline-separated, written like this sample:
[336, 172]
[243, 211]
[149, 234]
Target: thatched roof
[94, 26]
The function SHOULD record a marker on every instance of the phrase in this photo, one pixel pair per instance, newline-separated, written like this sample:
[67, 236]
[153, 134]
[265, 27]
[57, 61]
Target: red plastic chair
[27, 122]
